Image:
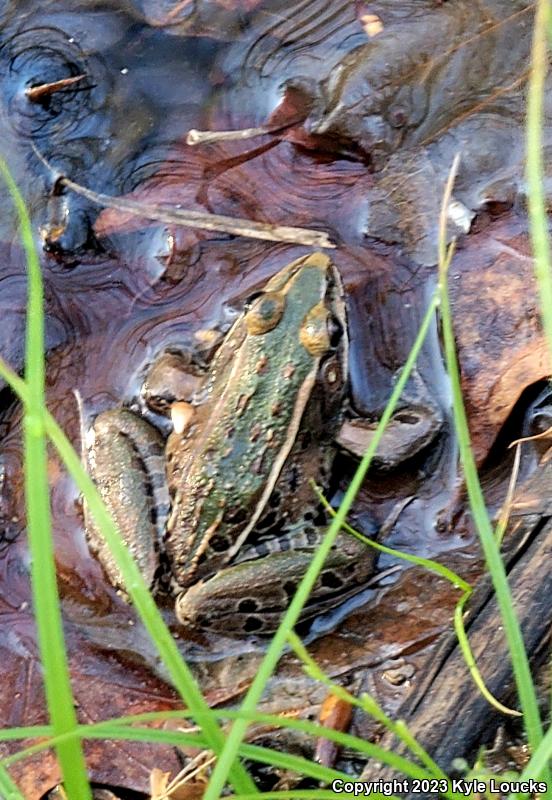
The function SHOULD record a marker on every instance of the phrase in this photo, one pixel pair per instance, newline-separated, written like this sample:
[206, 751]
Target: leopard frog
[226, 506]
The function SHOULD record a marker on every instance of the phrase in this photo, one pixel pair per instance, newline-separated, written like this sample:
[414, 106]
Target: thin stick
[200, 219]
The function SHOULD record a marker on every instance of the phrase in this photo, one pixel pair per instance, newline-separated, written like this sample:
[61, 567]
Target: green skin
[270, 405]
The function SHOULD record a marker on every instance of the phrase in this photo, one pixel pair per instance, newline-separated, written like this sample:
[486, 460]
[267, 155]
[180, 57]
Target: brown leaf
[335, 713]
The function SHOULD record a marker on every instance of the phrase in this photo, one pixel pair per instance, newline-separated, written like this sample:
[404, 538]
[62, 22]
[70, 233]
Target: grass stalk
[121, 728]
[47, 609]
[536, 199]
[8, 789]
[490, 547]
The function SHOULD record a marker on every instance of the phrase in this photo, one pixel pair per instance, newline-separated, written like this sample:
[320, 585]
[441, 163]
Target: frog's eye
[264, 312]
[251, 299]
[315, 333]
[335, 332]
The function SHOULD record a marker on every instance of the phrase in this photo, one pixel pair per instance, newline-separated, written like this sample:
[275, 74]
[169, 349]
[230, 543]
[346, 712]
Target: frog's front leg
[125, 457]
[251, 597]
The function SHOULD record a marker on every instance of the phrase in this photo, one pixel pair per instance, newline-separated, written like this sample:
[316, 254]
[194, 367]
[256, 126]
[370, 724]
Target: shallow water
[118, 291]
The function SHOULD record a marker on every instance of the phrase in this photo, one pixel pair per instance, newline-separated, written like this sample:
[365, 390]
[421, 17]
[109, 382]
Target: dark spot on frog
[219, 543]
[330, 580]
[248, 605]
[275, 499]
[294, 478]
[312, 535]
[284, 543]
[290, 588]
[268, 521]
[253, 625]
[406, 418]
[10, 532]
[261, 549]
[235, 517]
[276, 409]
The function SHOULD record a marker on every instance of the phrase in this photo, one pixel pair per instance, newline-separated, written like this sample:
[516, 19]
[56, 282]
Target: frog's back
[259, 394]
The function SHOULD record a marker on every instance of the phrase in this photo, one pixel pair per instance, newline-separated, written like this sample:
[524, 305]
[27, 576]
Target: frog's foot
[250, 597]
[125, 457]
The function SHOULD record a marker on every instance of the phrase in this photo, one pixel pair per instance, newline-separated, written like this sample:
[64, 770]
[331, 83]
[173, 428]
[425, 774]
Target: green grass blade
[538, 222]
[491, 551]
[469, 658]
[8, 789]
[368, 704]
[540, 759]
[120, 728]
[57, 684]
[267, 666]
[360, 746]
[538, 225]
[419, 561]
[30, 732]
[457, 582]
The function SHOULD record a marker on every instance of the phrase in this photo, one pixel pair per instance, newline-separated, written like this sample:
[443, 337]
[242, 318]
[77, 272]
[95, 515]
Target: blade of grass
[272, 656]
[8, 789]
[311, 728]
[30, 732]
[368, 704]
[540, 759]
[119, 728]
[491, 551]
[536, 199]
[458, 583]
[305, 726]
[263, 755]
[179, 671]
[538, 227]
[420, 561]
[57, 683]
[469, 658]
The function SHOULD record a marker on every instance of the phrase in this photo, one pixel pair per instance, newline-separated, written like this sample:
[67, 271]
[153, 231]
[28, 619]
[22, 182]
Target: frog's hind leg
[125, 457]
[251, 596]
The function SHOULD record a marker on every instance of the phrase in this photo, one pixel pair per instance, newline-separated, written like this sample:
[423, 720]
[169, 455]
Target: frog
[225, 506]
